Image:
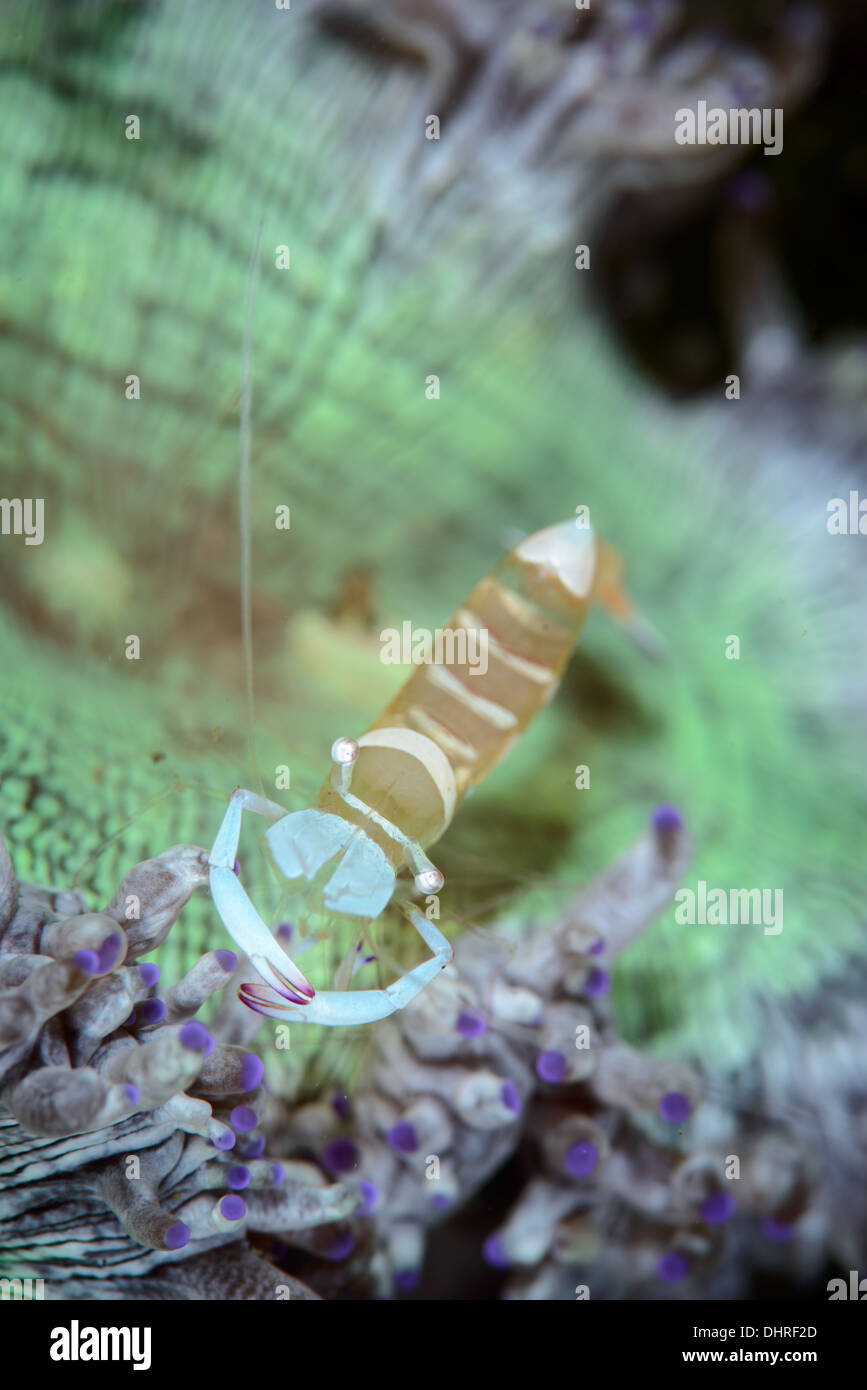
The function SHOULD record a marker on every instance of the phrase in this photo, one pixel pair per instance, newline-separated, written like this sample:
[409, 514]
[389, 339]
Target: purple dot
[777, 1231]
[278, 1173]
[108, 953]
[149, 974]
[581, 1159]
[243, 1119]
[226, 1140]
[195, 1036]
[284, 931]
[804, 22]
[238, 1178]
[132, 1093]
[370, 1195]
[494, 1253]
[675, 1107]
[672, 1267]
[402, 1137]
[406, 1279]
[176, 1236]
[717, 1208]
[228, 961]
[341, 1155]
[551, 1067]
[598, 947]
[252, 1071]
[340, 1104]
[641, 22]
[549, 28]
[748, 191]
[256, 1148]
[666, 818]
[598, 982]
[233, 1208]
[510, 1096]
[440, 1201]
[151, 1011]
[472, 1023]
[87, 962]
[130, 1020]
[341, 1246]
[236, 867]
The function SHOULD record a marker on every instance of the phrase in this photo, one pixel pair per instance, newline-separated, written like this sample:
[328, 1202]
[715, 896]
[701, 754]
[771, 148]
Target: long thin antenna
[245, 429]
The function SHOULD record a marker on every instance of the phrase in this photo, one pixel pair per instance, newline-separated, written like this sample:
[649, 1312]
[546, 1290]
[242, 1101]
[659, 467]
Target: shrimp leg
[352, 1007]
[240, 917]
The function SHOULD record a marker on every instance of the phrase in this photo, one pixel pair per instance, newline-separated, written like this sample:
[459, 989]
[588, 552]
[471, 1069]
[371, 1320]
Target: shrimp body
[393, 792]
[450, 723]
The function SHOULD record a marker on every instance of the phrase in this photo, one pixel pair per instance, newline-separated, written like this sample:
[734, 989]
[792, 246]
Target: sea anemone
[126, 1128]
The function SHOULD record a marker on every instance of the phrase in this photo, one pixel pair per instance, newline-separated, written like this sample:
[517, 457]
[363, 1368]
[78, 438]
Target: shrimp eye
[429, 881]
[344, 750]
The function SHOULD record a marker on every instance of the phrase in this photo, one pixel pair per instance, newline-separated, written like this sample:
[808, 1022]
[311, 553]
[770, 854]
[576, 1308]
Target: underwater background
[389, 259]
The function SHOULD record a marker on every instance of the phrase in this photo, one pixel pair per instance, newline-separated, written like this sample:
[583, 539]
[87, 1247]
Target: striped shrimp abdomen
[500, 661]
